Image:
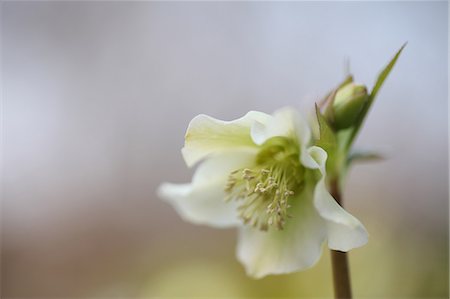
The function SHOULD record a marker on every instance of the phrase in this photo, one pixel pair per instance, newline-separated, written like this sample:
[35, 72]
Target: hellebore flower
[261, 174]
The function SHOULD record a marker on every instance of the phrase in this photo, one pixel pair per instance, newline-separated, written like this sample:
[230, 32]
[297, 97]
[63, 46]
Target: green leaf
[379, 82]
[384, 73]
[363, 156]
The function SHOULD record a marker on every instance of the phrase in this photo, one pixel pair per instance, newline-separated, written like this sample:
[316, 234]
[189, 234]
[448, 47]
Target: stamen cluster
[264, 193]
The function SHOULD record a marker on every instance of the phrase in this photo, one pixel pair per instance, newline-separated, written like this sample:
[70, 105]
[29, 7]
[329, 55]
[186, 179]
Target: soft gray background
[97, 97]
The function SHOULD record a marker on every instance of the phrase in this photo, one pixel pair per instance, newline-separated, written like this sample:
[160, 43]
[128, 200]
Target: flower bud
[348, 103]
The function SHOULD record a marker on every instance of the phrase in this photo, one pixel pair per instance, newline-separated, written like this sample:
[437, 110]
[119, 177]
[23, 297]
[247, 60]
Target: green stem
[339, 259]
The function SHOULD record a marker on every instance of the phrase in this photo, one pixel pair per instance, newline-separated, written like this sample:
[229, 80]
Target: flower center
[265, 190]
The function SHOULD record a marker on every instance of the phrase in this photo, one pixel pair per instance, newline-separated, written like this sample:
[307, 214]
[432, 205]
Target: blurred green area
[392, 265]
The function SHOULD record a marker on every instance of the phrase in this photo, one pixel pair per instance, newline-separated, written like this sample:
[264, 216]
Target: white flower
[260, 174]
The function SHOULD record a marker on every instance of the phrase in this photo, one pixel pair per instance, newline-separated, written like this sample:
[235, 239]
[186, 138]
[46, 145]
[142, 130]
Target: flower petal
[316, 158]
[285, 122]
[344, 231]
[202, 201]
[206, 135]
[297, 247]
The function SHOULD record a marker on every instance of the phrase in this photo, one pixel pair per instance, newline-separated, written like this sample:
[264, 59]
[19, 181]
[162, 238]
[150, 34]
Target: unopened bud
[348, 103]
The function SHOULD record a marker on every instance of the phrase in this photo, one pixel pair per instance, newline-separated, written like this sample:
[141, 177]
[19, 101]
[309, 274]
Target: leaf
[384, 73]
[379, 82]
[363, 156]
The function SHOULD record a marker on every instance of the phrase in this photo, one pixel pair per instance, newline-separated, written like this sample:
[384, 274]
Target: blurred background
[96, 100]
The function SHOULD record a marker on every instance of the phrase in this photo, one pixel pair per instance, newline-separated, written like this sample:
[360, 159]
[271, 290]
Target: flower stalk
[341, 275]
[339, 259]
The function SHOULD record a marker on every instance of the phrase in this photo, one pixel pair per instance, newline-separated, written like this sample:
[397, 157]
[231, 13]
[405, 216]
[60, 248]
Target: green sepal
[327, 138]
[328, 141]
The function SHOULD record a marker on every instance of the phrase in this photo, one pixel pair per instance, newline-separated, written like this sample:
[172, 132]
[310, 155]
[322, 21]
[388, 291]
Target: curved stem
[339, 260]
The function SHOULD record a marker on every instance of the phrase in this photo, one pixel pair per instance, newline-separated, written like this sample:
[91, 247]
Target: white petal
[306, 159]
[285, 122]
[297, 247]
[200, 206]
[344, 231]
[259, 132]
[202, 201]
[206, 135]
[316, 158]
